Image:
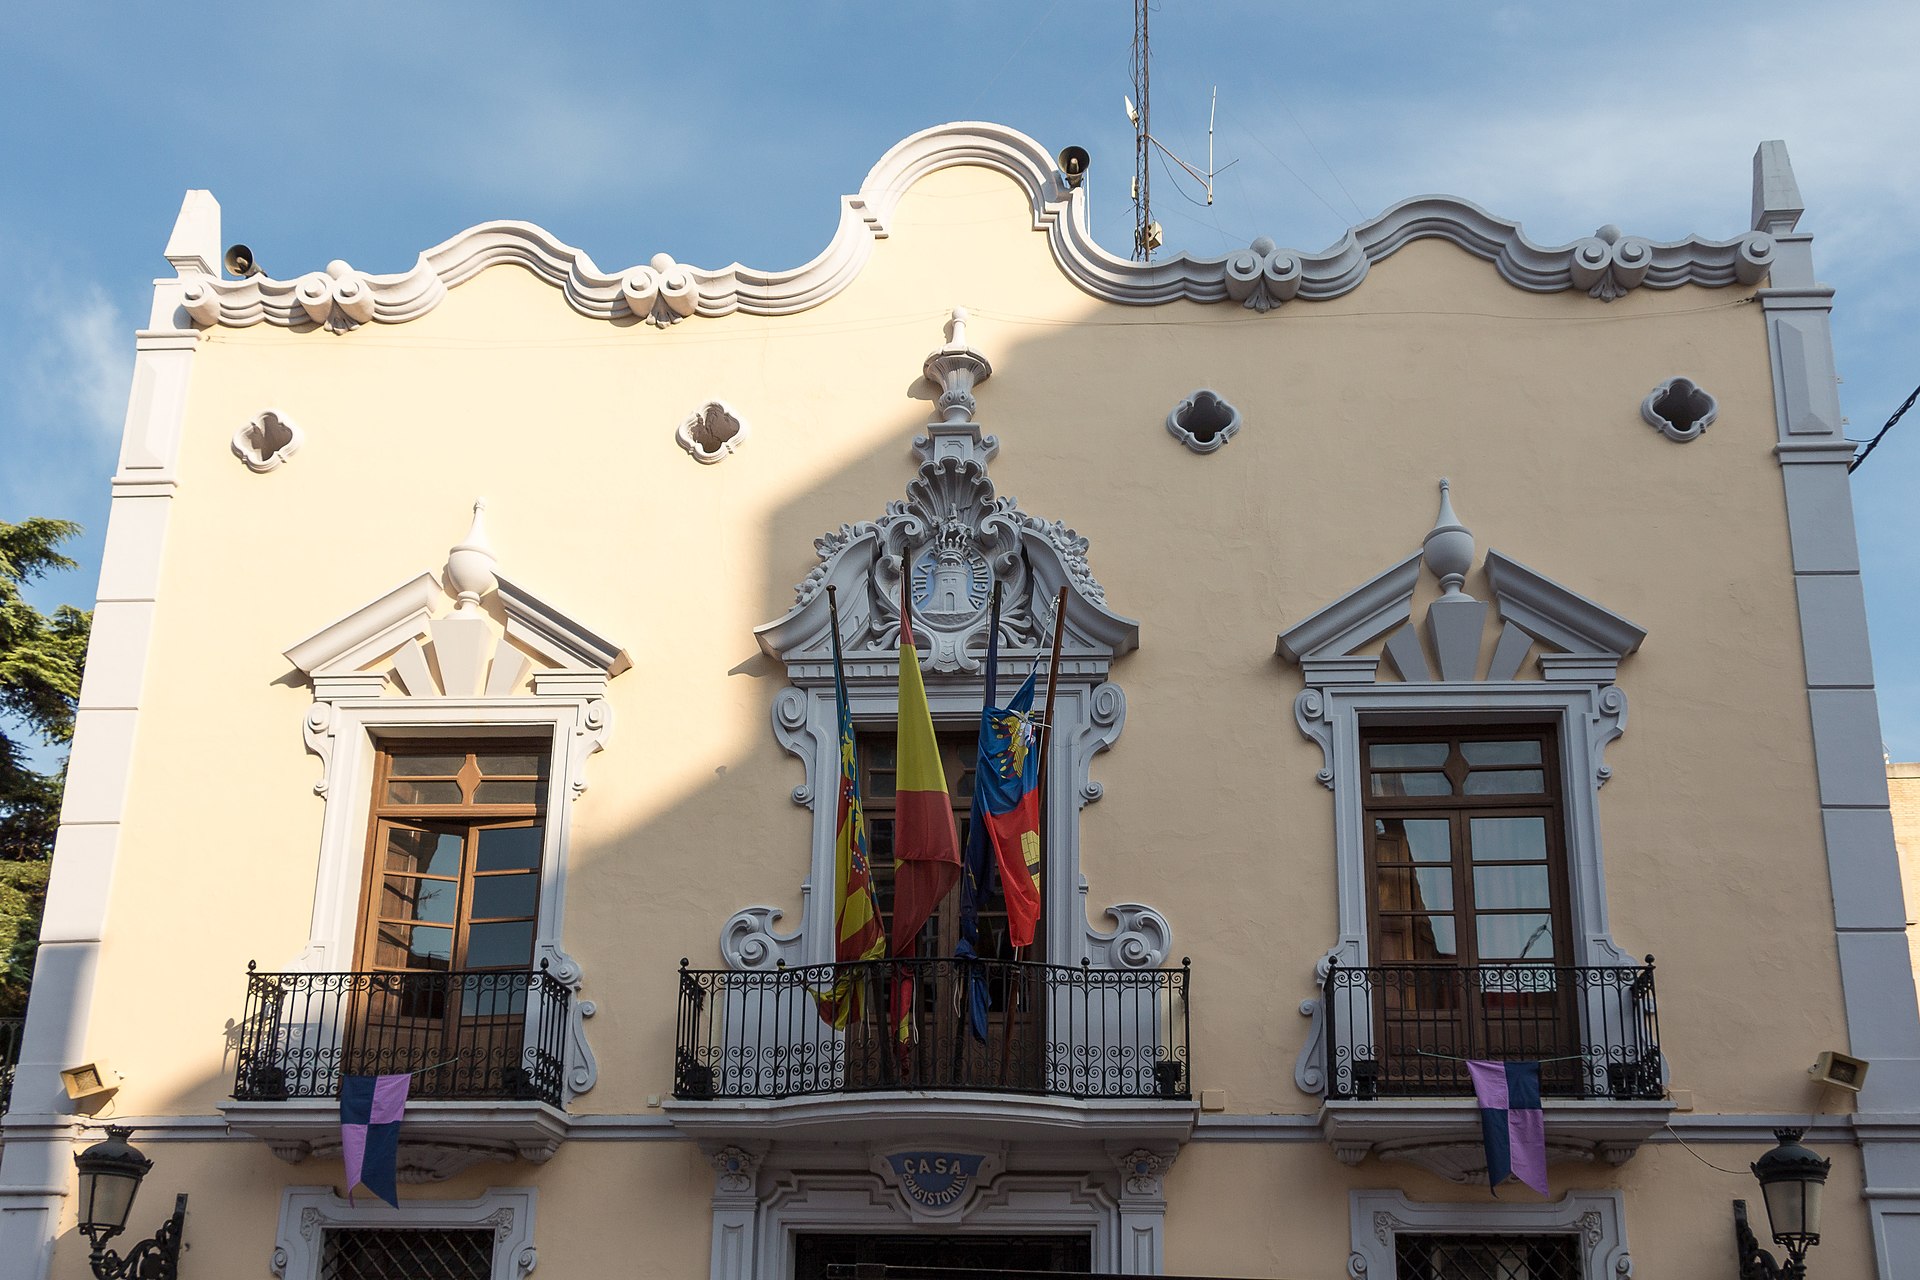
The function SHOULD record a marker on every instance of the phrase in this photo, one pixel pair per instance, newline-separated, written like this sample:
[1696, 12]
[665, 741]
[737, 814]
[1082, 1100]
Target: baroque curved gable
[663, 291]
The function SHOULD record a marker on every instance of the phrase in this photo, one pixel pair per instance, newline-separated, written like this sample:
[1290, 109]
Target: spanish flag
[858, 934]
[926, 848]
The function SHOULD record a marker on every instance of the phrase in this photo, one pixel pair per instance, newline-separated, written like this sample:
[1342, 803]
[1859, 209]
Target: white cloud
[80, 370]
[63, 397]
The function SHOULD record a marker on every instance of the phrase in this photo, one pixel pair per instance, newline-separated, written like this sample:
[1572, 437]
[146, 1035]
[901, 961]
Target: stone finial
[470, 564]
[1777, 205]
[1448, 548]
[956, 369]
[194, 246]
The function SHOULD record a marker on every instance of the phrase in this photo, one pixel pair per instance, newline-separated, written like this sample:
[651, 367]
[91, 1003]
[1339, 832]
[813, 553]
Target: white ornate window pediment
[307, 1214]
[956, 538]
[1576, 648]
[478, 657]
[1597, 1219]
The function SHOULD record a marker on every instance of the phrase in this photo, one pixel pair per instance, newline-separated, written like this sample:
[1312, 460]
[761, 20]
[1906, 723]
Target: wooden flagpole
[1045, 747]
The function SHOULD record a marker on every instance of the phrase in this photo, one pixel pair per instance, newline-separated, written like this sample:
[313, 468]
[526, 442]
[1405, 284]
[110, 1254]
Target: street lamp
[1790, 1177]
[110, 1174]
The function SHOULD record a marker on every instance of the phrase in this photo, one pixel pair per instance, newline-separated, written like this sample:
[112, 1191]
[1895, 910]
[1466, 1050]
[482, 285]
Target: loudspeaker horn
[1073, 163]
[239, 262]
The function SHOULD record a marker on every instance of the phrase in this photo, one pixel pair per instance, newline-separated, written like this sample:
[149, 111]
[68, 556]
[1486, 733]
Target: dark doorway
[812, 1254]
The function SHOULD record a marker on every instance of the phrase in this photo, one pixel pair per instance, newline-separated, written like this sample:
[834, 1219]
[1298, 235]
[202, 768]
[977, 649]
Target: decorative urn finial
[470, 564]
[1449, 546]
[956, 369]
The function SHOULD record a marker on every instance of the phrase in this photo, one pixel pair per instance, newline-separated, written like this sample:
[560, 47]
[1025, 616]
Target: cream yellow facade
[1903, 795]
[240, 685]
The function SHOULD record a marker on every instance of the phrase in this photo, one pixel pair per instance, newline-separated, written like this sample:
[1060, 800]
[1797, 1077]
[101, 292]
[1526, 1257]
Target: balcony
[1398, 1038]
[486, 1052]
[10, 1030]
[1057, 1050]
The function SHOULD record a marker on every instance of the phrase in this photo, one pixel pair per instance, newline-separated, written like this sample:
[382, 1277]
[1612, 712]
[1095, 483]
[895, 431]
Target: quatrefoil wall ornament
[1680, 409]
[1203, 422]
[712, 432]
[267, 441]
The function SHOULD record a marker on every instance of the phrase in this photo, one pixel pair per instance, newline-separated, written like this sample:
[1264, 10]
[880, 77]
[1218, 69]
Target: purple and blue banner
[1512, 1122]
[370, 1111]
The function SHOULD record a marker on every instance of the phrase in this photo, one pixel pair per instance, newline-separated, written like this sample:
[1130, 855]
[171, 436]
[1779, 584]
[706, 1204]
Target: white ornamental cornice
[663, 291]
[957, 539]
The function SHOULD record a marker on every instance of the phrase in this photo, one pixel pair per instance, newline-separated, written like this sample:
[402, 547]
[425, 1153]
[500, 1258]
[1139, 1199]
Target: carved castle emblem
[952, 582]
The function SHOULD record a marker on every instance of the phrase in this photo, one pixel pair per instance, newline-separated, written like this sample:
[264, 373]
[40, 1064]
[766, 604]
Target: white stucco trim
[1597, 1217]
[861, 1201]
[35, 1159]
[1260, 277]
[346, 734]
[1584, 718]
[308, 1213]
[1089, 713]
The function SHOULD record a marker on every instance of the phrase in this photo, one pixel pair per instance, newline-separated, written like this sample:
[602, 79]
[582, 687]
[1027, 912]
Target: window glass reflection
[1508, 839]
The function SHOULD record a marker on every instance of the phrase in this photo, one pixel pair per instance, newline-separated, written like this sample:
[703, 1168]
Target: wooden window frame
[474, 818]
[1458, 809]
[959, 749]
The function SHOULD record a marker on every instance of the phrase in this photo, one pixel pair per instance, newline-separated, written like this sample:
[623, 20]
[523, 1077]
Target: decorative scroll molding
[535, 673]
[1261, 277]
[1680, 409]
[383, 647]
[734, 1169]
[1310, 1068]
[952, 540]
[583, 1070]
[1141, 938]
[712, 433]
[1596, 1218]
[1203, 422]
[748, 940]
[268, 441]
[1588, 641]
[956, 538]
[1582, 646]
[1106, 717]
[863, 1200]
[308, 1213]
[1143, 1168]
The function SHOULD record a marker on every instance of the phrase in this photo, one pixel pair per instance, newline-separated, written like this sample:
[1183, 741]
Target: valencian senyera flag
[858, 933]
[370, 1111]
[1511, 1121]
[926, 849]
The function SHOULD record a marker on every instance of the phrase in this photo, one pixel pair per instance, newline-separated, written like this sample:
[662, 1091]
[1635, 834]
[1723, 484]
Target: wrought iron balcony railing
[1045, 1029]
[464, 1036]
[1404, 1031]
[10, 1030]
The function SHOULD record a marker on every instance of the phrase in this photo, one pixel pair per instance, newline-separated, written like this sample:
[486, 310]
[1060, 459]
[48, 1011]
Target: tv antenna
[1148, 234]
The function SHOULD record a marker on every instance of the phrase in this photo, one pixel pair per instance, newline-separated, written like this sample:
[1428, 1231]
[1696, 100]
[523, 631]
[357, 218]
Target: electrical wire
[1881, 434]
[981, 92]
[1738, 1173]
[1338, 216]
[1358, 213]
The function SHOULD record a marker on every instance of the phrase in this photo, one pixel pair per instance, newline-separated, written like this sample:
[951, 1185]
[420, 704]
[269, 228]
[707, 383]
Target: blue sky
[718, 132]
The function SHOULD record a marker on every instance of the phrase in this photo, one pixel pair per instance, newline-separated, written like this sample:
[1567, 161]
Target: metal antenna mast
[1146, 233]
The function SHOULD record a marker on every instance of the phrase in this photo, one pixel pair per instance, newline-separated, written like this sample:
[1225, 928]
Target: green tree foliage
[40, 663]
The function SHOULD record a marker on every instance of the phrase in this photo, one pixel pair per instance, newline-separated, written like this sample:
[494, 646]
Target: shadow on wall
[1185, 541]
